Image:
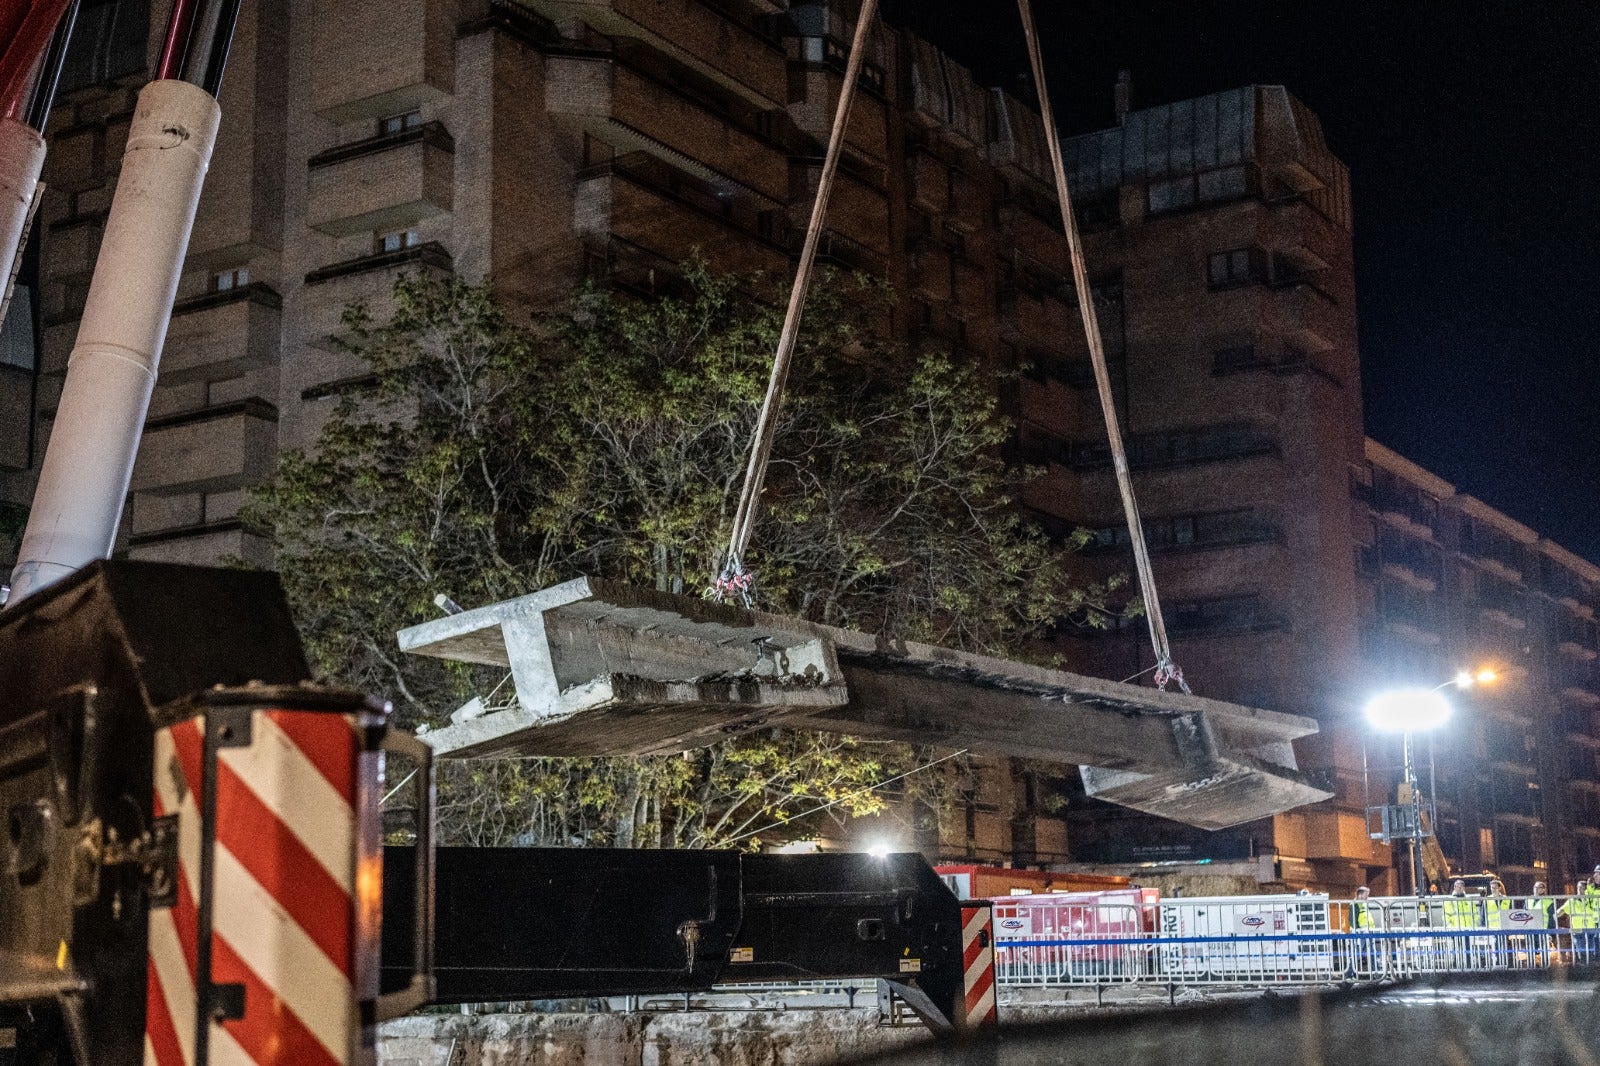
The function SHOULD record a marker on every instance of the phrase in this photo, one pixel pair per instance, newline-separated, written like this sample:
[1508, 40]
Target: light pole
[1408, 711]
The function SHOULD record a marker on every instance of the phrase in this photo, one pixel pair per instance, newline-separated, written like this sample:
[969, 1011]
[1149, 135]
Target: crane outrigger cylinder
[112, 370]
[30, 64]
[21, 161]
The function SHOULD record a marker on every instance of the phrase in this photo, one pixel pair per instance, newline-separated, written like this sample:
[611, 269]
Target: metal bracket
[160, 862]
[227, 1002]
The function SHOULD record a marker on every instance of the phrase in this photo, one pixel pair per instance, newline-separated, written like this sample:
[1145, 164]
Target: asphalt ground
[1533, 1018]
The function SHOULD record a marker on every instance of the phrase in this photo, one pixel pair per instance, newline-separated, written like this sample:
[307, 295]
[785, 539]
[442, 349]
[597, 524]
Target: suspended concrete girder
[609, 669]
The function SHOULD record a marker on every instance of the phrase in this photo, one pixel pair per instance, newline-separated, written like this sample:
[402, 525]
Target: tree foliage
[491, 456]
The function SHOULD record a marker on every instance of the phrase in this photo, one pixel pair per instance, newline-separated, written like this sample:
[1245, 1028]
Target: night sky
[1472, 133]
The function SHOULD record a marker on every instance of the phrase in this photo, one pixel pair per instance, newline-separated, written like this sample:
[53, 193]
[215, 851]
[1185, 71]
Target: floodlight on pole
[1408, 710]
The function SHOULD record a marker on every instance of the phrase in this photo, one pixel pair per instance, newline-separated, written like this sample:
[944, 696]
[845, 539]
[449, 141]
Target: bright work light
[1407, 710]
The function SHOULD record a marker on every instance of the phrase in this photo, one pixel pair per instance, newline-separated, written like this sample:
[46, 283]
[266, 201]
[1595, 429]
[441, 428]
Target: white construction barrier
[1096, 940]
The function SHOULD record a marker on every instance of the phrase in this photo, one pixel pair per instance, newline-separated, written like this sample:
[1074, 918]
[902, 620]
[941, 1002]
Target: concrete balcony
[371, 60]
[383, 183]
[614, 202]
[858, 210]
[1304, 237]
[210, 544]
[1019, 146]
[1037, 240]
[969, 204]
[330, 289]
[634, 113]
[930, 273]
[970, 286]
[1025, 317]
[213, 450]
[696, 34]
[929, 183]
[866, 135]
[221, 335]
[1308, 317]
[945, 98]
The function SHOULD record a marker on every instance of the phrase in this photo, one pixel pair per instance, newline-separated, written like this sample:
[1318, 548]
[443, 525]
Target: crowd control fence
[1285, 940]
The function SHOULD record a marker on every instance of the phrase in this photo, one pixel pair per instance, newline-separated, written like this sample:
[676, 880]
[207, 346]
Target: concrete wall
[700, 1038]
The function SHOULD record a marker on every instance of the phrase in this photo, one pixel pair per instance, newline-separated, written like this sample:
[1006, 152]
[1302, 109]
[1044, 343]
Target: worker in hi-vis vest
[1361, 911]
[1544, 910]
[1583, 918]
[1496, 905]
[1460, 909]
[1460, 912]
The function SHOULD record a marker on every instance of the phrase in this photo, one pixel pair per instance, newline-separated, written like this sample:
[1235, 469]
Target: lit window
[228, 280]
[393, 124]
[397, 240]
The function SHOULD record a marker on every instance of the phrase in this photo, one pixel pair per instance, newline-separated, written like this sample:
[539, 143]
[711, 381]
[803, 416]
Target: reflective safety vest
[1494, 907]
[1583, 911]
[1361, 915]
[1460, 912]
[1543, 906]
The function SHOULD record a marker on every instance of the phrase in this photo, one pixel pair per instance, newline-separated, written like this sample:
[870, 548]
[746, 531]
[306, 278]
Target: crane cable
[734, 580]
[1165, 670]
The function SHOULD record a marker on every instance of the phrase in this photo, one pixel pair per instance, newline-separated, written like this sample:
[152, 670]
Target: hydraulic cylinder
[112, 369]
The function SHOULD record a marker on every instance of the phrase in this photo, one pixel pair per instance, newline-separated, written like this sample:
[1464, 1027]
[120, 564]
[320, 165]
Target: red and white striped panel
[284, 922]
[977, 968]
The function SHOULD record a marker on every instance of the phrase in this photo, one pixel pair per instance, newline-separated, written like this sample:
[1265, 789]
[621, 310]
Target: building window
[1391, 496]
[1188, 190]
[396, 240]
[1202, 445]
[1240, 266]
[1486, 846]
[1214, 529]
[836, 54]
[1230, 614]
[393, 124]
[228, 280]
[1100, 211]
[1173, 195]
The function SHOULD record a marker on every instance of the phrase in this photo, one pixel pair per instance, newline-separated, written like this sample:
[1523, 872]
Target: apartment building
[541, 141]
[1449, 582]
[1218, 236]
[1302, 567]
